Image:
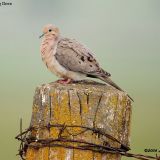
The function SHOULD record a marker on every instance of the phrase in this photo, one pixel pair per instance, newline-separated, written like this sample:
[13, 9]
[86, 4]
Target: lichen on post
[73, 121]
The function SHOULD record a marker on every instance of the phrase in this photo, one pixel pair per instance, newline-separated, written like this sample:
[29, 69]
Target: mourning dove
[69, 59]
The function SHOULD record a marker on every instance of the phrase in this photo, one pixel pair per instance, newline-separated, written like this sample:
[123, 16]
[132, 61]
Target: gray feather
[76, 57]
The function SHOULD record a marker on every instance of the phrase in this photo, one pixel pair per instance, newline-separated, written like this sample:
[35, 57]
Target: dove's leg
[64, 81]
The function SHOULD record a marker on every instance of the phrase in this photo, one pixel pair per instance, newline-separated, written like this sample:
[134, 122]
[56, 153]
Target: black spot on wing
[82, 58]
[89, 59]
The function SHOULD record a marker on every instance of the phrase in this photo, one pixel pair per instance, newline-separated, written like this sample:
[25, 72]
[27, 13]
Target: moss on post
[88, 104]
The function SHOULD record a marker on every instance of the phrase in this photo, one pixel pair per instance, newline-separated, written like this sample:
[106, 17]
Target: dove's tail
[109, 81]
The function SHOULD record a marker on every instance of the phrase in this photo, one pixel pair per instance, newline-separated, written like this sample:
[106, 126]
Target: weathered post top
[84, 120]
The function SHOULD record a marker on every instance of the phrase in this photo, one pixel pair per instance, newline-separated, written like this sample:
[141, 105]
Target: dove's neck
[49, 43]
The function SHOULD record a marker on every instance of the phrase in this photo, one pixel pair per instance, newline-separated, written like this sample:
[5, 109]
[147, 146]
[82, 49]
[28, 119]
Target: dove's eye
[50, 30]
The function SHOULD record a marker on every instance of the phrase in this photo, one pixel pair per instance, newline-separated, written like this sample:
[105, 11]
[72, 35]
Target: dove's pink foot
[64, 81]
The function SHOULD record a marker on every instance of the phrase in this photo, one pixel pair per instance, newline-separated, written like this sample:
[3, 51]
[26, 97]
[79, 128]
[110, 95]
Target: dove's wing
[76, 57]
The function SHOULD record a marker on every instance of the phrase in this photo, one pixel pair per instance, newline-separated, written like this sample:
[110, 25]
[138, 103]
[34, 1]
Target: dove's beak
[41, 35]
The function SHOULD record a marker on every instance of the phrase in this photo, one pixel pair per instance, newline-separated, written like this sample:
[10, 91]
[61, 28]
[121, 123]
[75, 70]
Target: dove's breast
[52, 64]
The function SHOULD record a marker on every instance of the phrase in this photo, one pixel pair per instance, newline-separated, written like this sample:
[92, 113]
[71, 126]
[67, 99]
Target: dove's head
[50, 30]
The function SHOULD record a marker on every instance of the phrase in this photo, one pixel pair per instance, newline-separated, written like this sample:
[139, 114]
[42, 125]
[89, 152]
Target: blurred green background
[125, 36]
